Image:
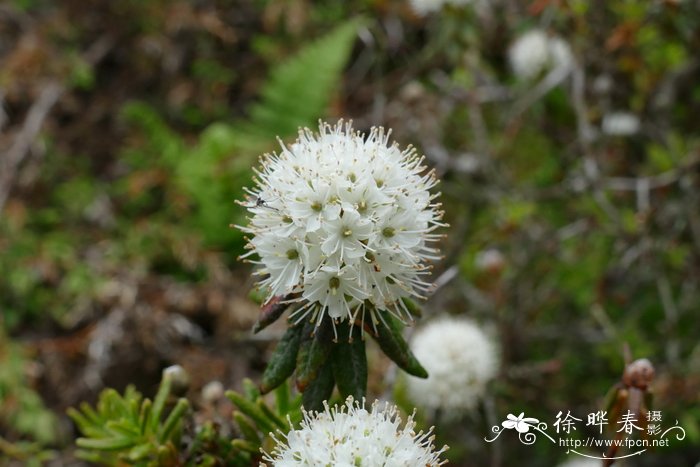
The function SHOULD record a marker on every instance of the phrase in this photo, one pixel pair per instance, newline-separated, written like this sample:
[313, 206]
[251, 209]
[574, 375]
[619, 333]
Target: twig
[12, 159]
[671, 312]
[20, 148]
[3, 114]
[653, 182]
[549, 82]
[445, 277]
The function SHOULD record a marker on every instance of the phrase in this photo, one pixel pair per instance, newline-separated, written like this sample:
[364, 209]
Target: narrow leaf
[319, 389]
[247, 446]
[272, 416]
[314, 350]
[349, 362]
[141, 452]
[173, 420]
[282, 397]
[145, 415]
[412, 307]
[270, 312]
[247, 429]
[159, 402]
[395, 347]
[283, 360]
[251, 410]
[105, 444]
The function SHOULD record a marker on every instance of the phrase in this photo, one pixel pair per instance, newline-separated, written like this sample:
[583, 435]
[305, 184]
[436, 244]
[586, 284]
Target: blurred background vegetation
[128, 128]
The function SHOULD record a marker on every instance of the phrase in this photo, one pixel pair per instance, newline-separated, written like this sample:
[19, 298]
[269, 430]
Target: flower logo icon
[520, 423]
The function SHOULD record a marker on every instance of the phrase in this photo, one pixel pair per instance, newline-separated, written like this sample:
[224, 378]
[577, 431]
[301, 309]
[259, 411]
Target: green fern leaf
[297, 92]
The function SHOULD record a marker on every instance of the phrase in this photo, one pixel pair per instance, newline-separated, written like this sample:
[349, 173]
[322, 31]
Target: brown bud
[639, 374]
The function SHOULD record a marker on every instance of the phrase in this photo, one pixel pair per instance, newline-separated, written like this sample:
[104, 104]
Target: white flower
[536, 52]
[425, 7]
[460, 360]
[620, 124]
[343, 223]
[354, 436]
[491, 260]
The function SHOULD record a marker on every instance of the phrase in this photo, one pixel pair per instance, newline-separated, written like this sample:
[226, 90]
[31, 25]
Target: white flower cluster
[620, 124]
[536, 52]
[425, 7]
[460, 359]
[344, 222]
[355, 436]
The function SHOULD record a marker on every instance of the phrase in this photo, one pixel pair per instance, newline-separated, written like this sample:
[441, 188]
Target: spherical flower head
[354, 436]
[536, 52]
[620, 124]
[425, 7]
[343, 224]
[460, 360]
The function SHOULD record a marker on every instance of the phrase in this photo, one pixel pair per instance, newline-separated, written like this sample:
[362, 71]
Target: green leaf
[412, 307]
[247, 446]
[349, 363]
[141, 452]
[173, 420]
[159, 402]
[247, 429]
[283, 360]
[250, 389]
[251, 410]
[297, 92]
[282, 397]
[314, 350]
[319, 389]
[105, 444]
[395, 347]
[271, 312]
[271, 415]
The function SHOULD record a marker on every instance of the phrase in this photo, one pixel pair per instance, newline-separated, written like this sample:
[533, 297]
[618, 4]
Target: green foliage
[22, 412]
[329, 355]
[130, 429]
[256, 419]
[298, 91]
[395, 347]
[212, 172]
[283, 360]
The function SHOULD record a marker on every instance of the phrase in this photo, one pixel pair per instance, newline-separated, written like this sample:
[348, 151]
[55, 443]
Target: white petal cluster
[460, 360]
[536, 52]
[354, 436]
[620, 124]
[343, 222]
[425, 7]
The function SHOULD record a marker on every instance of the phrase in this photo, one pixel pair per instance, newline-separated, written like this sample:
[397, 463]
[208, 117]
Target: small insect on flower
[354, 436]
[256, 202]
[344, 223]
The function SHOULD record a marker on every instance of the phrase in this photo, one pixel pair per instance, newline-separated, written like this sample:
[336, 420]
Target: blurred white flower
[344, 221]
[620, 124]
[213, 391]
[425, 7]
[354, 436]
[491, 260]
[460, 359]
[536, 52]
